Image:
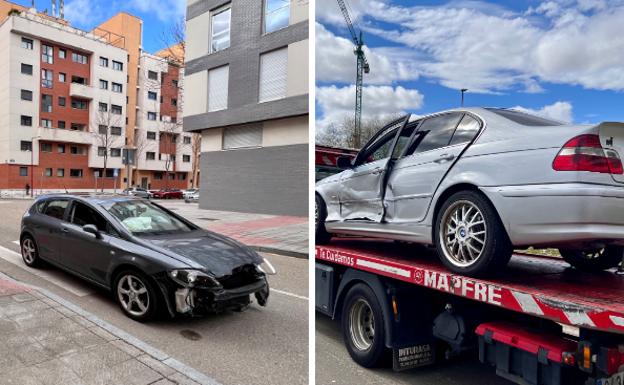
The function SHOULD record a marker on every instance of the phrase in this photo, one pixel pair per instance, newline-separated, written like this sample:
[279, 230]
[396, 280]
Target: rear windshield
[524, 118]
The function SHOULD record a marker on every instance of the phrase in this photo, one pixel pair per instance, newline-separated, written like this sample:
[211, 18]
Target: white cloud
[82, 13]
[561, 111]
[164, 10]
[338, 103]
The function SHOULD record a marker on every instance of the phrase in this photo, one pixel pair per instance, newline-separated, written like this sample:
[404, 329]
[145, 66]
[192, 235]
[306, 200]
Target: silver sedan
[479, 182]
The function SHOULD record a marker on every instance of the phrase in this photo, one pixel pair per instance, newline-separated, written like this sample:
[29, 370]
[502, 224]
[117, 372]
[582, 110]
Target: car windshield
[140, 217]
[524, 118]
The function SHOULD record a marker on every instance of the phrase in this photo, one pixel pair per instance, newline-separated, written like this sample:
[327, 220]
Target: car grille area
[241, 276]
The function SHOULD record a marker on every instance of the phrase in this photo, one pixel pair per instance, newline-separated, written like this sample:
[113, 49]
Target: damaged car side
[151, 259]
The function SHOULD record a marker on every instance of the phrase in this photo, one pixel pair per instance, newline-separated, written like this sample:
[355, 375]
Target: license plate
[616, 379]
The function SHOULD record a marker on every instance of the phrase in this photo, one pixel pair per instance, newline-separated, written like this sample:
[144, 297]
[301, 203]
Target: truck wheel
[363, 326]
[593, 260]
[469, 235]
[320, 213]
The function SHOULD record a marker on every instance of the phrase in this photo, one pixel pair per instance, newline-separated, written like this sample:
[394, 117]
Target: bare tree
[174, 39]
[343, 135]
[101, 127]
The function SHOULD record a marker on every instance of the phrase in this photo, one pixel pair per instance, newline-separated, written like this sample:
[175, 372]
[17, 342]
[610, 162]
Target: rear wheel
[593, 260]
[320, 213]
[363, 326]
[30, 251]
[470, 237]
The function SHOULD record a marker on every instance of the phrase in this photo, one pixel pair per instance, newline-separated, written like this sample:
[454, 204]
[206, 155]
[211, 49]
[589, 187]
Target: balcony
[66, 136]
[81, 91]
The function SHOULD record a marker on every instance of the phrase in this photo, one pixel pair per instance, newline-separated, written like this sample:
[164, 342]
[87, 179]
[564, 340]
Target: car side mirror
[344, 162]
[91, 229]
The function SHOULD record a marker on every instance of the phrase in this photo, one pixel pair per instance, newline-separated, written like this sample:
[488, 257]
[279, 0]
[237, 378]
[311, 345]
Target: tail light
[613, 359]
[584, 153]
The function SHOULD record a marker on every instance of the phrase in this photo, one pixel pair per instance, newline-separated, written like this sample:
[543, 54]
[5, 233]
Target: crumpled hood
[216, 253]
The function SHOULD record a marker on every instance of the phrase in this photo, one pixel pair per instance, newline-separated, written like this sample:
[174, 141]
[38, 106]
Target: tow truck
[539, 321]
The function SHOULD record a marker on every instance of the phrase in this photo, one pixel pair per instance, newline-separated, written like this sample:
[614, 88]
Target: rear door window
[466, 130]
[437, 132]
[56, 208]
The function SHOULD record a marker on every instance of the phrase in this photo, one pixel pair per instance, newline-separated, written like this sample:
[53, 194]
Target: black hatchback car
[150, 258]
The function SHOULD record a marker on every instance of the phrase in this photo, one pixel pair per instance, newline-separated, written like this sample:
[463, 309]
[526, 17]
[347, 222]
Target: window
[117, 66]
[62, 77]
[79, 58]
[115, 109]
[77, 127]
[26, 95]
[242, 137]
[102, 129]
[186, 158]
[187, 140]
[60, 172]
[46, 78]
[60, 148]
[276, 15]
[82, 214]
[46, 123]
[76, 150]
[23, 171]
[115, 152]
[102, 107]
[47, 54]
[220, 29]
[174, 83]
[25, 145]
[56, 208]
[79, 80]
[524, 118]
[48, 172]
[150, 155]
[101, 151]
[151, 135]
[174, 102]
[437, 132]
[103, 84]
[46, 103]
[158, 176]
[26, 120]
[46, 147]
[117, 87]
[466, 130]
[27, 69]
[75, 172]
[152, 75]
[27, 43]
[115, 131]
[218, 79]
[103, 61]
[171, 176]
[151, 116]
[61, 101]
[152, 95]
[273, 74]
[61, 124]
[79, 104]
[62, 53]
[181, 176]
[173, 119]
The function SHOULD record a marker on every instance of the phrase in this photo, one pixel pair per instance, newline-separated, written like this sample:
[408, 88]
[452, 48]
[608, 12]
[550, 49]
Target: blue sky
[559, 58]
[158, 16]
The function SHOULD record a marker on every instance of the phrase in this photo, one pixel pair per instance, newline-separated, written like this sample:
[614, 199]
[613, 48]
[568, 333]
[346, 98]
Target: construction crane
[362, 68]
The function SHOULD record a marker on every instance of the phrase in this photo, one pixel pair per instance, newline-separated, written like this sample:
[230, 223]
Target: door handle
[377, 171]
[445, 158]
[65, 230]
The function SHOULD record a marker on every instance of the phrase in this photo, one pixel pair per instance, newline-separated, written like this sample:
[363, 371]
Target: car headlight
[193, 278]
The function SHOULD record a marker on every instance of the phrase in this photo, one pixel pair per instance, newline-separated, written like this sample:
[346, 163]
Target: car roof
[92, 197]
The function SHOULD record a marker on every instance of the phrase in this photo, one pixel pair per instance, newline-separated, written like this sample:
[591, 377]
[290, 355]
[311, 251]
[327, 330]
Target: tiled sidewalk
[277, 234]
[47, 341]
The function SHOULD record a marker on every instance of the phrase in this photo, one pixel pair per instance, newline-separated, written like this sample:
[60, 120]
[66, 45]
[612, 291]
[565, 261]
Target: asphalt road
[259, 346]
[335, 367]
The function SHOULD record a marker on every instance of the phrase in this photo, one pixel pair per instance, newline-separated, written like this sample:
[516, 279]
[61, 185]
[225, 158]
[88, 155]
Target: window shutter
[273, 74]
[242, 137]
[218, 88]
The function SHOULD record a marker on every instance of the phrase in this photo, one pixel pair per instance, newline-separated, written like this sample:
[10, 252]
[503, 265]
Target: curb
[278, 251]
[157, 354]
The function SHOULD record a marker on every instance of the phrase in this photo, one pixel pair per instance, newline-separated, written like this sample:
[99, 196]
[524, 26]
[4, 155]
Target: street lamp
[463, 90]
[32, 164]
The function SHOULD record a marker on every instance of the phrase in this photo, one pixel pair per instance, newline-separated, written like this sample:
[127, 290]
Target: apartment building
[246, 92]
[64, 109]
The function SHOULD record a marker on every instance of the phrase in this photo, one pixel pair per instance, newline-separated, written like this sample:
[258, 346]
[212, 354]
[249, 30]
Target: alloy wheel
[133, 295]
[29, 252]
[362, 325]
[463, 233]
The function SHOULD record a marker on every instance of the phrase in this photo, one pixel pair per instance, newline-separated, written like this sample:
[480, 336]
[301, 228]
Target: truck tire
[593, 260]
[469, 235]
[320, 213]
[363, 326]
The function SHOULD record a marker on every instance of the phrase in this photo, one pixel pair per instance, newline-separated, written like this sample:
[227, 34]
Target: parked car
[478, 182]
[138, 192]
[149, 257]
[194, 197]
[189, 191]
[170, 193]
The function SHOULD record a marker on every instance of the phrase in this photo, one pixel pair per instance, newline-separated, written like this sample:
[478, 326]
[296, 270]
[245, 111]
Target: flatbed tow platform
[588, 307]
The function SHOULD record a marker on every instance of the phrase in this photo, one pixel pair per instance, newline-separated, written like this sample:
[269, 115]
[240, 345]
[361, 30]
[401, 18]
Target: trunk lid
[612, 139]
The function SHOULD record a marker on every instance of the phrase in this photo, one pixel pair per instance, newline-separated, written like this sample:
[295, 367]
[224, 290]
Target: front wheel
[136, 295]
[470, 237]
[363, 326]
[593, 260]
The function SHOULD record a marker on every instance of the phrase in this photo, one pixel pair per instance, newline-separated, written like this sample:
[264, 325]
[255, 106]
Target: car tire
[363, 326]
[144, 291]
[320, 213]
[30, 251]
[593, 260]
[474, 242]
